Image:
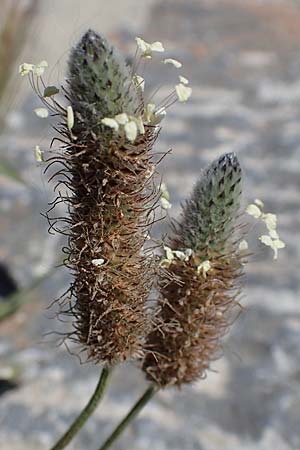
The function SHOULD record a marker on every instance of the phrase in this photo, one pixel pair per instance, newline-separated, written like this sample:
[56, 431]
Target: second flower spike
[198, 284]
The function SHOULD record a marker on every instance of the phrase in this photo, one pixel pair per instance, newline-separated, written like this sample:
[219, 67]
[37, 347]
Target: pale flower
[180, 255]
[275, 244]
[169, 253]
[98, 262]
[70, 117]
[183, 92]
[254, 211]
[165, 262]
[165, 197]
[157, 47]
[25, 69]
[153, 117]
[147, 49]
[131, 130]
[273, 234]
[164, 191]
[183, 80]
[39, 69]
[165, 204]
[188, 252]
[183, 255]
[172, 61]
[111, 123]
[243, 245]
[270, 220]
[39, 154]
[41, 112]
[122, 118]
[139, 123]
[139, 82]
[259, 203]
[204, 267]
[149, 112]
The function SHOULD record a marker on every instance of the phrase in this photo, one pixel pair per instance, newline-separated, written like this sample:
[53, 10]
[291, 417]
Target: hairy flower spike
[198, 293]
[106, 160]
[107, 133]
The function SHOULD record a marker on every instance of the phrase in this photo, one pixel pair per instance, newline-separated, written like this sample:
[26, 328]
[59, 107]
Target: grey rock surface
[243, 61]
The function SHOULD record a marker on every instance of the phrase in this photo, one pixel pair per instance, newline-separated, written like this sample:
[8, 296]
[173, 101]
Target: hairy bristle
[110, 215]
[195, 312]
[111, 204]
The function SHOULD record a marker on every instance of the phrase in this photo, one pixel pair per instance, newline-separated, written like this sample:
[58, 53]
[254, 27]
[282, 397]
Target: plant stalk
[149, 393]
[86, 412]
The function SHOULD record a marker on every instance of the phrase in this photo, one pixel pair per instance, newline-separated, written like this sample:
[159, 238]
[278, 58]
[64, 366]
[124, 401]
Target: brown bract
[110, 210]
[196, 310]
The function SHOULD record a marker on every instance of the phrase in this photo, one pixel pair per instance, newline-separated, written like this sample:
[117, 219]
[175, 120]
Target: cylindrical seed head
[196, 307]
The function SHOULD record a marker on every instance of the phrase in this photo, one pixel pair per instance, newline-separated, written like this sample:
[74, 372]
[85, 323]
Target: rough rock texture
[242, 58]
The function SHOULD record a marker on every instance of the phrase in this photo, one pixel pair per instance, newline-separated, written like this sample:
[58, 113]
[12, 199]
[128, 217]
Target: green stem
[86, 412]
[130, 417]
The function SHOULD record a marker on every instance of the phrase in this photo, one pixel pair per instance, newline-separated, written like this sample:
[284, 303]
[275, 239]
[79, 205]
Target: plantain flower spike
[112, 197]
[198, 294]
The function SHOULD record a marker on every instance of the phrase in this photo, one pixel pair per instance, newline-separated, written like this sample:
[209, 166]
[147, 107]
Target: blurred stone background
[243, 61]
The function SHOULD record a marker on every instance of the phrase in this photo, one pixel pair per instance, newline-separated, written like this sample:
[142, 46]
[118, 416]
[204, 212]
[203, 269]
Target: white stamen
[254, 211]
[243, 245]
[183, 80]
[165, 204]
[139, 82]
[111, 123]
[147, 48]
[39, 69]
[70, 117]
[183, 92]
[131, 130]
[259, 203]
[172, 61]
[98, 262]
[39, 154]
[43, 113]
[25, 69]
[122, 118]
[204, 267]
